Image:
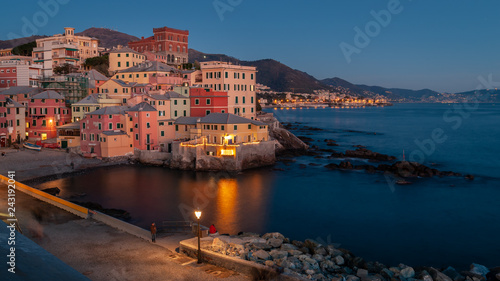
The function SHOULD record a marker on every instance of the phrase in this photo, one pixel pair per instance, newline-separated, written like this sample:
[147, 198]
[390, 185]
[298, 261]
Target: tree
[65, 69]
[24, 49]
[100, 64]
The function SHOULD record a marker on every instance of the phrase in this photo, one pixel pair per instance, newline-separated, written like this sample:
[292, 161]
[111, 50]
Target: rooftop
[48, 95]
[92, 99]
[228, 118]
[150, 66]
[70, 126]
[110, 110]
[143, 106]
[125, 50]
[20, 90]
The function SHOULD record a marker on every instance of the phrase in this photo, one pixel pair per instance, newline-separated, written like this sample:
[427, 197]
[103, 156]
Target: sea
[440, 221]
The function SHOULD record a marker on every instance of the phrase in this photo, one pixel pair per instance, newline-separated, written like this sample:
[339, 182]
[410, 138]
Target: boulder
[260, 246]
[219, 243]
[407, 272]
[288, 246]
[479, 269]
[453, 274]
[438, 276]
[277, 254]
[261, 254]
[339, 260]
[362, 272]
[273, 235]
[275, 242]
[269, 263]
[294, 252]
[320, 251]
[494, 274]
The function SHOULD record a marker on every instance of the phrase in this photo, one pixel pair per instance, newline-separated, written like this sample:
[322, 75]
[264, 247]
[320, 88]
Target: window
[119, 65]
[162, 133]
[136, 136]
[44, 123]
[226, 75]
[110, 126]
[243, 99]
[184, 102]
[83, 125]
[235, 99]
[119, 55]
[196, 101]
[127, 55]
[249, 126]
[251, 76]
[99, 126]
[207, 112]
[148, 125]
[175, 102]
[251, 110]
[175, 113]
[185, 113]
[243, 75]
[222, 127]
[235, 127]
[251, 99]
[176, 128]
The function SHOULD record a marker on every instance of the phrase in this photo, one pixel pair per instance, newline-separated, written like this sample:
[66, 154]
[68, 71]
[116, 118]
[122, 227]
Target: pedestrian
[153, 232]
[212, 230]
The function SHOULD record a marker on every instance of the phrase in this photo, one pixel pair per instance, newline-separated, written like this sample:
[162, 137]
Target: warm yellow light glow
[227, 152]
[197, 214]
[50, 121]
[228, 137]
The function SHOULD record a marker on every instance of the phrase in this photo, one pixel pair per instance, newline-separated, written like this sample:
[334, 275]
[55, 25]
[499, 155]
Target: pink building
[47, 110]
[12, 121]
[19, 73]
[145, 126]
[104, 132]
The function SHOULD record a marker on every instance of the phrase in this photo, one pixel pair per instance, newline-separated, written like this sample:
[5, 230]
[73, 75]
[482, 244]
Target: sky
[441, 45]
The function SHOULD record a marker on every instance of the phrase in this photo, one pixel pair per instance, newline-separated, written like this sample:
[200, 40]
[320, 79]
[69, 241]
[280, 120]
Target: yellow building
[118, 89]
[91, 103]
[142, 72]
[123, 58]
[222, 129]
[68, 135]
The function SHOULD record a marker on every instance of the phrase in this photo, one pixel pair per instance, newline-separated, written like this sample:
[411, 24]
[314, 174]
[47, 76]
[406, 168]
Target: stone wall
[248, 156]
[152, 157]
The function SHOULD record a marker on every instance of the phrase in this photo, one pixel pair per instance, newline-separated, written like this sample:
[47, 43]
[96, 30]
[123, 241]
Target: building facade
[238, 81]
[64, 48]
[19, 73]
[172, 42]
[123, 58]
[145, 126]
[205, 101]
[12, 121]
[91, 103]
[47, 110]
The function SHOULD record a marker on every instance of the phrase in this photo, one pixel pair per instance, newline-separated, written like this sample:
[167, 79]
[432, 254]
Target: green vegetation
[65, 69]
[24, 49]
[100, 64]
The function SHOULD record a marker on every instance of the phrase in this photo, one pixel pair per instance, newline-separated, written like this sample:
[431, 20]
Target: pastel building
[145, 126]
[96, 80]
[179, 105]
[121, 90]
[173, 42]
[47, 110]
[64, 48]
[221, 128]
[12, 121]
[143, 72]
[21, 94]
[237, 80]
[91, 103]
[68, 135]
[205, 101]
[105, 133]
[123, 58]
[15, 73]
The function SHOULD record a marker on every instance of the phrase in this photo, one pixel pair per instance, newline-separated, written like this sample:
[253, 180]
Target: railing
[175, 227]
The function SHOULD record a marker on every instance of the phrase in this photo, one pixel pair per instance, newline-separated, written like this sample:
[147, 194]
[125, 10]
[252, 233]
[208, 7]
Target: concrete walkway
[101, 252]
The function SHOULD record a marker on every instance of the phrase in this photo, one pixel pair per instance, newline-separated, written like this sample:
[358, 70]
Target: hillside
[274, 74]
[108, 38]
[6, 44]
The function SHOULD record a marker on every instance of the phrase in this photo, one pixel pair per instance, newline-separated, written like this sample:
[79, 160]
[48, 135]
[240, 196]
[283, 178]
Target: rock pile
[310, 260]
[363, 153]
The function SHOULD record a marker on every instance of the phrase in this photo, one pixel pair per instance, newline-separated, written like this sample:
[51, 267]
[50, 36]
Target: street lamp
[197, 213]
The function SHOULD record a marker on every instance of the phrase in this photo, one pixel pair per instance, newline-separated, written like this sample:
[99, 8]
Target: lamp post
[198, 216]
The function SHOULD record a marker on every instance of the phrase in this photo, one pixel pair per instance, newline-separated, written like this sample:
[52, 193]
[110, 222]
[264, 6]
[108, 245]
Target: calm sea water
[434, 222]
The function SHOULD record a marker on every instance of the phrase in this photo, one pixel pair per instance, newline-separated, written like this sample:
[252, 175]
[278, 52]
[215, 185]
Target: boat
[32, 146]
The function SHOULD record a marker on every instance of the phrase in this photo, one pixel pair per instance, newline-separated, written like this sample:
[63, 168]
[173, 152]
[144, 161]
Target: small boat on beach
[32, 146]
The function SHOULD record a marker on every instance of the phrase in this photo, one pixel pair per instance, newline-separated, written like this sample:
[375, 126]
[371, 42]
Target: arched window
[178, 49]
[178, 39]
[168, 57]
[159, 47]
[183, 49]
[170, 48]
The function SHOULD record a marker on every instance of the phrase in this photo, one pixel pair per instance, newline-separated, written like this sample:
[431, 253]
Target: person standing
[153, 232]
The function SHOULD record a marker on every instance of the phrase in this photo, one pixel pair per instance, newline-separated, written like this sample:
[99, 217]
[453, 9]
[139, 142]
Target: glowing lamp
[197, 214]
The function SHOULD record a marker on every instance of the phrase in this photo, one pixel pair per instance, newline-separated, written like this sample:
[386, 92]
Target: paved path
[104, 253]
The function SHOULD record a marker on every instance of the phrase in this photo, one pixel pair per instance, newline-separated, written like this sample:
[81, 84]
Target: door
[64, 144]
[2, 142]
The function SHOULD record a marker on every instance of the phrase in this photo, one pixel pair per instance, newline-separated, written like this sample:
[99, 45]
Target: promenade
[101, 252]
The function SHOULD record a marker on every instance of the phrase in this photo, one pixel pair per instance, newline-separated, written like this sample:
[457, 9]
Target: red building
[205, 101]
[172, 42]
[12, 121]
[47, 110]
[145, 126]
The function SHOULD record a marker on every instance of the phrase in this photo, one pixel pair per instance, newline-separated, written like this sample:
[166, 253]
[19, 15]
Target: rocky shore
[310, 260]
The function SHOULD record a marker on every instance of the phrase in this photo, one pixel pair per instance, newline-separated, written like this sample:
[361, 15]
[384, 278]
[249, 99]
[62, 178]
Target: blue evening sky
[443, 45]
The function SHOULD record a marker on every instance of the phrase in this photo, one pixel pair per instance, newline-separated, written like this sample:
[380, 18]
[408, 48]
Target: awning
[71, 49]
